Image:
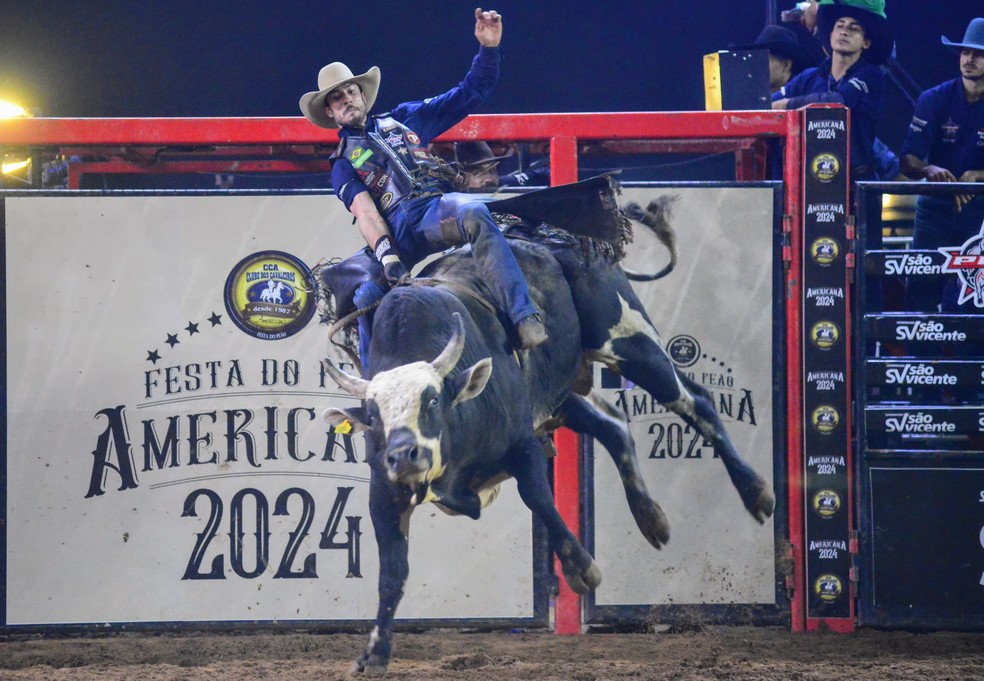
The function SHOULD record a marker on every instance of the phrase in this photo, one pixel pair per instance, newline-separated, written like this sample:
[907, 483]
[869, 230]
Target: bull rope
[340, 324]
[456, 288]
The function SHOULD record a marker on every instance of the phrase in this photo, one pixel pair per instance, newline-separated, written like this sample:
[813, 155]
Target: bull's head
[409, 407]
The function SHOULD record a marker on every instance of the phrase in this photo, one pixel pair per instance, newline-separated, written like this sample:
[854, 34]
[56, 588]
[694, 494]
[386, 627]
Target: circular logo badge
[825, 419]
[824, 335]
[268, 295]
[826, 503]
[828, 587]
[385, 200]
[825, 167]
[683, 350]
[824, 251]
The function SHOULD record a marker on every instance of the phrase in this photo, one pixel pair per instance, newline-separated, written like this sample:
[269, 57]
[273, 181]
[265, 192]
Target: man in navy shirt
[478, 168]
[402, 198]
[945, 143]
[476, 165]
[860, 40]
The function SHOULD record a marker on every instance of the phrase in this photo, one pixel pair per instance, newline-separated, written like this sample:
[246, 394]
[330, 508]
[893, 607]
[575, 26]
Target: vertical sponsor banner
[715, 316]
[166, 459]
[826, 435]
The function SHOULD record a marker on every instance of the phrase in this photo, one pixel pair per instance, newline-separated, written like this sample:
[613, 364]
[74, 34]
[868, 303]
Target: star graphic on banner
[216, 319]
[192, 328]
[153, 356]
[172, 339]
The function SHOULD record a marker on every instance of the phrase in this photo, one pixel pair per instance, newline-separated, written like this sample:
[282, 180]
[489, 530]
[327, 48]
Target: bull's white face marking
[397, 394]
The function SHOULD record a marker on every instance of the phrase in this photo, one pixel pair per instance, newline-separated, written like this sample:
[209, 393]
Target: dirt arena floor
[698, 654]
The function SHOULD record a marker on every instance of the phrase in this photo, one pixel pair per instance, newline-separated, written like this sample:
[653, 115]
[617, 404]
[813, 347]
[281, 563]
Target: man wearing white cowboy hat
[945, 143]
[860, 39]
[402, 198]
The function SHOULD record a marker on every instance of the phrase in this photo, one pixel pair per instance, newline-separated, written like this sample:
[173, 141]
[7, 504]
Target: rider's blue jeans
[432, 224]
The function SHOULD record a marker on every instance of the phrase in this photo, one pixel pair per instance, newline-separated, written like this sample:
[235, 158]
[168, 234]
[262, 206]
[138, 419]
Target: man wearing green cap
[860, 40]
[945, 143]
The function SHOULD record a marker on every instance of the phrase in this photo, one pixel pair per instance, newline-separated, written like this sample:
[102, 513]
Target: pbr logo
[684, 350]
[828, 587]
[824, 335]
[825, 167]
[395, 139]
[826, 503]
[967, 262]
[825, 419]
[268, 295]
[824, 251]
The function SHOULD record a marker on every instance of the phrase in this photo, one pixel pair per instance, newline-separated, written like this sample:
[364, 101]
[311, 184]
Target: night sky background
[149, 58]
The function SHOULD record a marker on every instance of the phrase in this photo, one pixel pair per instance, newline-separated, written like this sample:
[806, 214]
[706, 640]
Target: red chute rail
[292, 144]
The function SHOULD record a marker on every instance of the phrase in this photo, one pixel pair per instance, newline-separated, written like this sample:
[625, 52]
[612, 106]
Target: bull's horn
[449, 357]
[357, 387]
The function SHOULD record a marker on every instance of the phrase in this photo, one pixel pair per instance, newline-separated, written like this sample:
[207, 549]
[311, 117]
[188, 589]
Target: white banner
[168, 463]
[714, 314]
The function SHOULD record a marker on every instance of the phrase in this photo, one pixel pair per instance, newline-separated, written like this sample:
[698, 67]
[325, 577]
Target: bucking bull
[441, 376]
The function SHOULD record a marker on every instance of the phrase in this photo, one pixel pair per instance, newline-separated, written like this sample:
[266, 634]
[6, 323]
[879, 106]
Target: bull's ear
[354, 417]
[472, 381]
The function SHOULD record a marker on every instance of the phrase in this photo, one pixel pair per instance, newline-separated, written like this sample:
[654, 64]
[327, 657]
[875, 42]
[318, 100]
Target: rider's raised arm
[488, 27]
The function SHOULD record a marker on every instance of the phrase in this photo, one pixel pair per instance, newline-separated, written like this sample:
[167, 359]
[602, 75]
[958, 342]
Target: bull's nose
[402, 457]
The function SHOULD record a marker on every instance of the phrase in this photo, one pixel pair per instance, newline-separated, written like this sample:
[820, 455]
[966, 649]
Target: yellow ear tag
[344, 428]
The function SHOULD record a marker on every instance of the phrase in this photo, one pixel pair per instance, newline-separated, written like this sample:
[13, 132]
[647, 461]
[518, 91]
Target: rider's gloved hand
[396, 273]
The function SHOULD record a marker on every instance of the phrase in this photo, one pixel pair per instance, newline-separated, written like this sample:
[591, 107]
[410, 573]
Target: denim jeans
[433, 224]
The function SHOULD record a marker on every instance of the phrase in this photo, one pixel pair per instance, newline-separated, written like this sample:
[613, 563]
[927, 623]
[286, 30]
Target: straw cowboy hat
[783, 42]
[973, 37]
[870, 14]
[330, 77]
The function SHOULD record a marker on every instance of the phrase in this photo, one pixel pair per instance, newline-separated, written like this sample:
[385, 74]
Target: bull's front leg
[527, 465]
[390, 516]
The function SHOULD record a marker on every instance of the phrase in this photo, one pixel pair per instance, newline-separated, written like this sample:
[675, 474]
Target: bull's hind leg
[595, 417]
[696, 407]
[642, 360]
[527, 465]
[390, 522]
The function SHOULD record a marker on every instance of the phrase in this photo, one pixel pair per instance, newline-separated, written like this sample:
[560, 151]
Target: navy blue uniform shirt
[946, 130]
[861, 90]
[428, 118]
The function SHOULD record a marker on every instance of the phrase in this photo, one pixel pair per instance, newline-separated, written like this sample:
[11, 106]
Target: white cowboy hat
[330, 77]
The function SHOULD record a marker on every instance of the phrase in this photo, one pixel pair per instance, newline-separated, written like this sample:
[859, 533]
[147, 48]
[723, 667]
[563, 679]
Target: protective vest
[393, 164]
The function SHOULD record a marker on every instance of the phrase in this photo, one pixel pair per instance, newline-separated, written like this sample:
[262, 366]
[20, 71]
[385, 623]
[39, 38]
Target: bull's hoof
[763, 505]
[584, 581]
[651, 521]
[370, 665]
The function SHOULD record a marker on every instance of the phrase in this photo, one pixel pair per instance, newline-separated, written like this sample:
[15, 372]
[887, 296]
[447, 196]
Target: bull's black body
[591, 314]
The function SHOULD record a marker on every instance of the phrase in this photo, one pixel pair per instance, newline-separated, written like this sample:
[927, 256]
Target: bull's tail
[657, 218]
